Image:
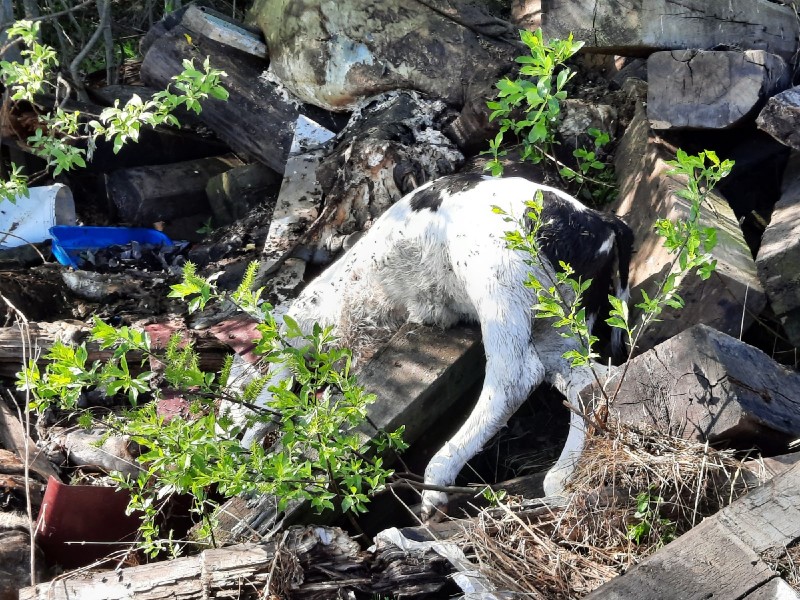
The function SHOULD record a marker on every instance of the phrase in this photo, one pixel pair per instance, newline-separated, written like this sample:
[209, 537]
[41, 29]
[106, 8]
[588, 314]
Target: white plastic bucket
[29, 219]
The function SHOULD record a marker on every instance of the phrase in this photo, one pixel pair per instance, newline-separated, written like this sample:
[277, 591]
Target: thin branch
[54, 15]
[104, 9]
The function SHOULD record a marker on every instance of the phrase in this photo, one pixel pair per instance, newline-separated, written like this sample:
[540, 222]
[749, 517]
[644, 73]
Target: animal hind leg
[513, 369]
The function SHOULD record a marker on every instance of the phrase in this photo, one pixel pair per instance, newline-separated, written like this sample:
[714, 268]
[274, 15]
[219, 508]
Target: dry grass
[627, 483]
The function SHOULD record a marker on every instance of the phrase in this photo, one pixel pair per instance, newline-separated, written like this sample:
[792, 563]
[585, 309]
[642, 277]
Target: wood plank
[720, 558]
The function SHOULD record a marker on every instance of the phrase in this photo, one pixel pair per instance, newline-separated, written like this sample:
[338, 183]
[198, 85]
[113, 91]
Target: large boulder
[335, 54]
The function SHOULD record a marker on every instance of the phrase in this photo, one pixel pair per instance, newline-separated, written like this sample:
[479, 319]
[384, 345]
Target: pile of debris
[336, 113]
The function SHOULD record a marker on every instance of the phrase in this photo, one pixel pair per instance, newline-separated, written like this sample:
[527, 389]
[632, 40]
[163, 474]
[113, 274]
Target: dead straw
[633, 491]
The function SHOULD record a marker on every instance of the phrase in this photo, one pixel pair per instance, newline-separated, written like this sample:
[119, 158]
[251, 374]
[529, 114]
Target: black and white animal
[437, 257]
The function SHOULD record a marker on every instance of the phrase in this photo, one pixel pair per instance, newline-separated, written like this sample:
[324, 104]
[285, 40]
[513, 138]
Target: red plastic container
[80, 524]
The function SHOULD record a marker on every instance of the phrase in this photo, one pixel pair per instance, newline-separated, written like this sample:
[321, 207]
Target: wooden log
[721, 557]
[13, 490]
[312, 563]
[781, 117]
[146, 195]
[778, 258]
[257, 121]
[705, 385]
[639, 27]
[695, 89]
[731, 298]
[417, 376]
[233, 193]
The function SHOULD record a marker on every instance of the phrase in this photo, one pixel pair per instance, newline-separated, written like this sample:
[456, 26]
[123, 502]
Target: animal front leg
[506, 386]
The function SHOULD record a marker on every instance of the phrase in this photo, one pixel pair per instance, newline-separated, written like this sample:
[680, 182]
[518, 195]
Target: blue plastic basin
[69, 241]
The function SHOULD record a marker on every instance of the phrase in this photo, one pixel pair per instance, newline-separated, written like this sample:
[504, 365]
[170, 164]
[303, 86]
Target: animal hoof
[434, 506]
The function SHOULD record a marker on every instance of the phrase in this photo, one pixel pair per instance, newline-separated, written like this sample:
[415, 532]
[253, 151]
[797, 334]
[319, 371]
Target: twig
[22, 323]
[104, 9]
[9, 234]
[54, 15]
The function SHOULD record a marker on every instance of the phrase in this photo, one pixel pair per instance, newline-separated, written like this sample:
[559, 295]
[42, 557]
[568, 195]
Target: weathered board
[720, 558]
[318, 563]
[629, 27]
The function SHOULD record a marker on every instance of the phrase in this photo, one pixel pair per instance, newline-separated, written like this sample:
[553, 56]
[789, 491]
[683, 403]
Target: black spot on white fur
[432, 196]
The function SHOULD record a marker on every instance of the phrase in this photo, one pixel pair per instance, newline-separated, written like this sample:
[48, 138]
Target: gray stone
[632, 27]
[336, 54]
[778, 258]
[733, 295]
[696, 89]
[781, 117]
[705, 385]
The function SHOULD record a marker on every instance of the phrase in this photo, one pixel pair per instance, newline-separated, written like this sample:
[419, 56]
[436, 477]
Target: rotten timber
[312, 563]
[417, 376]
[721, 557]
[39, 337]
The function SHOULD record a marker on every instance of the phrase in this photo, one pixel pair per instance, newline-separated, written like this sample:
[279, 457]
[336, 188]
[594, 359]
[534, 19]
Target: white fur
[444, 266]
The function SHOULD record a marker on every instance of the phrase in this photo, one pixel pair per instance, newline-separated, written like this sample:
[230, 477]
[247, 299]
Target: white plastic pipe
[29, 219]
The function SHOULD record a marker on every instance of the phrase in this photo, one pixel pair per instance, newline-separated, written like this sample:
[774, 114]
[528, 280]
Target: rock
[392, 144]
[778, 259]
[781, 117]
[336, 54]
[696, 89]
[233, 193]
[641, 26]
[578, 117]
[705, 385]
[732, 296]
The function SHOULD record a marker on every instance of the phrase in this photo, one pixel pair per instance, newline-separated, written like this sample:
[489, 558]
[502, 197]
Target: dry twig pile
[633, 492]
